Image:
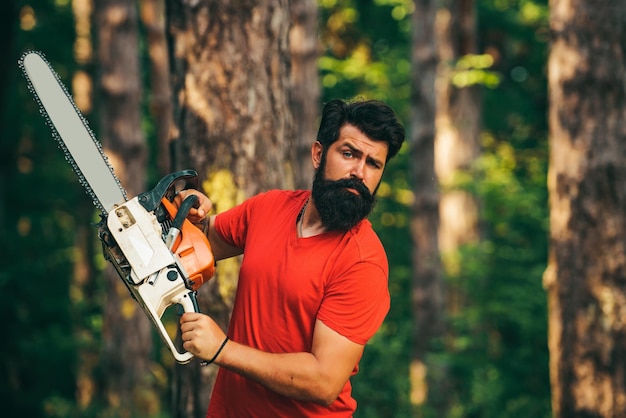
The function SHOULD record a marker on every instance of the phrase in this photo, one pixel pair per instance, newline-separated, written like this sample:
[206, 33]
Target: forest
[503, 216]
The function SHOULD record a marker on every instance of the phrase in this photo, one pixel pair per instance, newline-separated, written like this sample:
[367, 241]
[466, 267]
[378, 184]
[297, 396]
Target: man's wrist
[219, 351]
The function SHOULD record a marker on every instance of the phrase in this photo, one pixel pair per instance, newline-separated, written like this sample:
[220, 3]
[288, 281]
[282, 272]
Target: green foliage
[366, 51]
[473, 70]
[497, 336]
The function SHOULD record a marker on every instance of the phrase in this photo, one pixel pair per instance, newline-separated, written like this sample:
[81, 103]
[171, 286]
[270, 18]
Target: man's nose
[358, 169]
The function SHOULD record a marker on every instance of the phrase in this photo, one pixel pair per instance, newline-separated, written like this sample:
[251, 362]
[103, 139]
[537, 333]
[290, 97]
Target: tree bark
[587, 263]
[126, 329]
[305, 88]
[427, 298]
[230, 73]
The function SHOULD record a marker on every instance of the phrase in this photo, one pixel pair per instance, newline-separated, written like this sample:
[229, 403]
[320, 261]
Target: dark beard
[341, 209]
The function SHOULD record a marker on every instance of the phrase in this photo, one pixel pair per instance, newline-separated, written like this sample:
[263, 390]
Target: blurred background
[233, 89]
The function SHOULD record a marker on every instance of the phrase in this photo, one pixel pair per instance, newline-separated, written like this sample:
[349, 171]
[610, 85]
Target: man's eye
[347, 154]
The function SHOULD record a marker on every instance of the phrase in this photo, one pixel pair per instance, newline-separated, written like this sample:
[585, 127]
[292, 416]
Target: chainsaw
[161, 257]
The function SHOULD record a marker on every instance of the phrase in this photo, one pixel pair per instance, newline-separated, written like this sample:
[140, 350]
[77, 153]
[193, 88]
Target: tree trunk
[587, 263]
[456, 146]
[153, 19]
[305, 88]
[427, 287]
[230, 72]
[126, 330]
[457, 129]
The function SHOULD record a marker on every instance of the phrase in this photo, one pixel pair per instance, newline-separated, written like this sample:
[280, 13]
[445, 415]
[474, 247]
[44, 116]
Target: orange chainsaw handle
[193, 249]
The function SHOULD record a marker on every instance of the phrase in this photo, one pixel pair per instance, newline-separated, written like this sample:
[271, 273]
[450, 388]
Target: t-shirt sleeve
[356, 303]
[232, 225]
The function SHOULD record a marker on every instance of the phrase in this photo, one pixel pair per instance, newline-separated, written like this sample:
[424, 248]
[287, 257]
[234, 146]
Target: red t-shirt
[285, 284]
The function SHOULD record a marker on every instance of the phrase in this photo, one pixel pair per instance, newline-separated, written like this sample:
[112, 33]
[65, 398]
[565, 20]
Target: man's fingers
[199, 212]
[190, 316]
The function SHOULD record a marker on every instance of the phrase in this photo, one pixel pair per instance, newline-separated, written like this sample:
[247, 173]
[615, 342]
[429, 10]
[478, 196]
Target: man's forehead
[352, 136]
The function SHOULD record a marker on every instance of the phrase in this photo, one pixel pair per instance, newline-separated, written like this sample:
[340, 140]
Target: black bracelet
[218, 352]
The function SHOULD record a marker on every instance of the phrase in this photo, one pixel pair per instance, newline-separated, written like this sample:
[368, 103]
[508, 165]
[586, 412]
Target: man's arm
[219, 247]
[318, 376]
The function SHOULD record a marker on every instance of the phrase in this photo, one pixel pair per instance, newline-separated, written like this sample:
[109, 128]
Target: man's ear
[316, 154]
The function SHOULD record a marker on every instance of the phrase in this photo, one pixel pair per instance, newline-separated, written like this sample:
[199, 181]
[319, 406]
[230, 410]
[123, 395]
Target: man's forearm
[295, 375]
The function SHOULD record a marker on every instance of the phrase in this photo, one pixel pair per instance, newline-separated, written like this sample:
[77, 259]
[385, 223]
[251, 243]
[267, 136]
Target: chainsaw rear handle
[156, 296]
[189, 303]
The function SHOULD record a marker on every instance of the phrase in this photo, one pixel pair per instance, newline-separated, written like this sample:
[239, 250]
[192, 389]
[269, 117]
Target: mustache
[351, 183]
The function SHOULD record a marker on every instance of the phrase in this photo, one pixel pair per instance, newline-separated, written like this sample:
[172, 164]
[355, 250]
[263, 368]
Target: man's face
[346, 178]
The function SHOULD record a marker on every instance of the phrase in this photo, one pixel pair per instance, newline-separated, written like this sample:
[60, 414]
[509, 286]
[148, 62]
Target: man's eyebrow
[353, 148]
[376, 161]
[358, 152]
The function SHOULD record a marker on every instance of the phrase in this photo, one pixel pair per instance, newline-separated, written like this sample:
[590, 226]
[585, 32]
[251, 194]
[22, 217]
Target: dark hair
[372, 117]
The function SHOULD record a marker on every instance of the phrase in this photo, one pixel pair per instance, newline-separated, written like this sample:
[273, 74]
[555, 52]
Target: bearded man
[313, 281]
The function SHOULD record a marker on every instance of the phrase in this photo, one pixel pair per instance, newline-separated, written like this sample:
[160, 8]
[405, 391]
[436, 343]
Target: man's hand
[198, 214]
[199, 217]
[201, 336]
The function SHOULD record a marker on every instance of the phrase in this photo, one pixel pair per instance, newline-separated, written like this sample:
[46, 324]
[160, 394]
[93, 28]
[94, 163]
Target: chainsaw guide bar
[71, 131]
